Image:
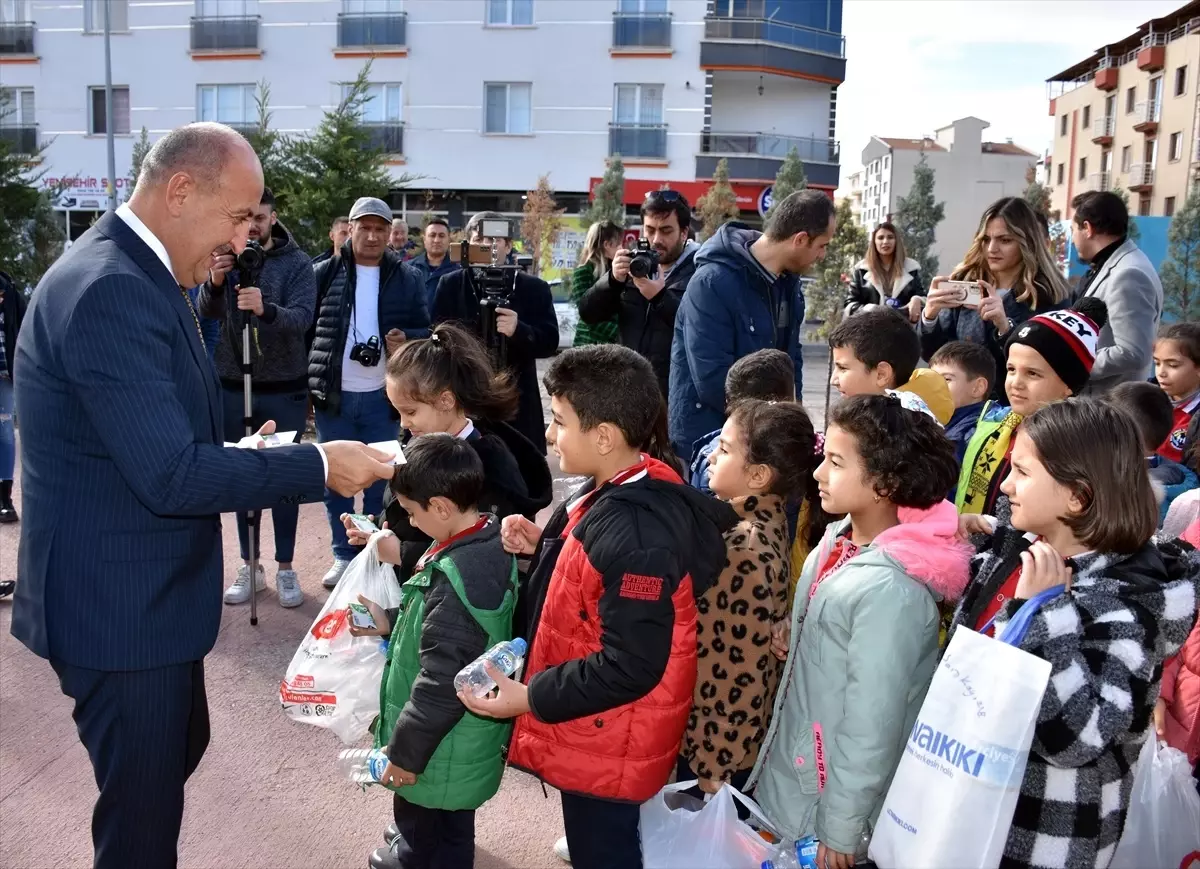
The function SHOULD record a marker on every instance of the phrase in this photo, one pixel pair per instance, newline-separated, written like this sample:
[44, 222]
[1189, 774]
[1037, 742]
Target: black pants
[433, 838]
[602, 834]
[145, 732]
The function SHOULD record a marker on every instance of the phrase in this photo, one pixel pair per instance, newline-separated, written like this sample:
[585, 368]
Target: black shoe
[383, 858]
[7, 587]
[8, 513]
[390, 834]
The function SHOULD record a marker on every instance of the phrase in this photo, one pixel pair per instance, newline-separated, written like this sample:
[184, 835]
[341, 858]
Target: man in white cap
[369, 302]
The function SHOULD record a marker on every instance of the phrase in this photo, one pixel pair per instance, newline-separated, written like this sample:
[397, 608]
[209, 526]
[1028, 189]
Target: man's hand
[518, 535]
[620, 266]
[915, 306]
[250, 299]
[383, 627]
[354, 467]
[650, 287]
[506, 321]
[509, 700]
[219, 266]
[397, 777]
[393, 339]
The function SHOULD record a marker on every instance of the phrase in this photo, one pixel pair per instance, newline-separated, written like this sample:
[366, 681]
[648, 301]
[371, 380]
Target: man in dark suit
[126, 475]
[529, 324]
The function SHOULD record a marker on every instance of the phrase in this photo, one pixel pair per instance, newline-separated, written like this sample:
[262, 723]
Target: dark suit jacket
[123, 466]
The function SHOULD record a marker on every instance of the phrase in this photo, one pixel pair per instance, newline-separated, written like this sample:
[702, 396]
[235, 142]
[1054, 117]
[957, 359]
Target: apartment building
[478, 97]
[1127, 117]
[969, 174]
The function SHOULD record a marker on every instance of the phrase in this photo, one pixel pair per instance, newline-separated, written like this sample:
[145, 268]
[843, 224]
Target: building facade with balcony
[478, 97]
[1127, 117]
[969, 174]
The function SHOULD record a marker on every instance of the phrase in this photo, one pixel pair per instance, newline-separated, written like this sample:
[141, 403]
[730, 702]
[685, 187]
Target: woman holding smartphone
[1016, 276]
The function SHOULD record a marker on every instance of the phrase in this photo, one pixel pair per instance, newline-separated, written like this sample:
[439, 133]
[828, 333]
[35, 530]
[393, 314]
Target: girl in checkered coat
[1083, 518]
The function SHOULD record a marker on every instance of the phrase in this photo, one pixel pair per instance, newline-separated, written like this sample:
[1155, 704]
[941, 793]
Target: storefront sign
[83, 193]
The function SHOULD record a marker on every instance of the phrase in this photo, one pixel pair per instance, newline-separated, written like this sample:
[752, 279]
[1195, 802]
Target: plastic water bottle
[801, 854]
[363, 766]
[505, 657]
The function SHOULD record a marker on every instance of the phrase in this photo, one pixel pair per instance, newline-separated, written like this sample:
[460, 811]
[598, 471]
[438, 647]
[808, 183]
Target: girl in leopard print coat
[765, 455]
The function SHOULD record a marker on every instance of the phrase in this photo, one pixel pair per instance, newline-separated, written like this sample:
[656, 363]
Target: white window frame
[386, 86]
[638, 7]
[1175, 147]
[226, 8]
[93, 16]
[372, 7]
[249, 102]
[638, 104]
[15, 11]
[509, 7]
[91, 98]
[17, 118]
[508, 124]
[1126, 158]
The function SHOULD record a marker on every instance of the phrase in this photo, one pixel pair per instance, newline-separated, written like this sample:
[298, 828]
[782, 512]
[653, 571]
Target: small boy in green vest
[443, 761]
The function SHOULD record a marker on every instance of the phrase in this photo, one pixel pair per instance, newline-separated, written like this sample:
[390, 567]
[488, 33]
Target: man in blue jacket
[744, 296]
[435, 260]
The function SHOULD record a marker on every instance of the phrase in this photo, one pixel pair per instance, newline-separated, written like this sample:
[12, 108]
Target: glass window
[639, 104]
[227, 103]
[226, 8]
[1082, 168]
[120, 105]
[93, 15]
[1176, 146]
[14, 10]
[1060, 173]
[1130, 100]
[511, 13]
[372, 7]
[382, 104]
[1062, 125]
[16, 107]
[649, 7]
[508, 108]
[1087, 117]
[1181, 81]
[1169, 206]
[1126, 158]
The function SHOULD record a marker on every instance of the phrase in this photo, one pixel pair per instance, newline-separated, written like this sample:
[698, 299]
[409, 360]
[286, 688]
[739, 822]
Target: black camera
[250, 264]
[366, 354]
[644, 263]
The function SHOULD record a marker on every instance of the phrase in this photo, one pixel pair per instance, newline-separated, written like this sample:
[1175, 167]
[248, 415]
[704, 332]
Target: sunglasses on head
[665, 195]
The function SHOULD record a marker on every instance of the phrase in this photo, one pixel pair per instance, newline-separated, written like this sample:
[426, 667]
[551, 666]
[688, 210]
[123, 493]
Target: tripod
[250, 263]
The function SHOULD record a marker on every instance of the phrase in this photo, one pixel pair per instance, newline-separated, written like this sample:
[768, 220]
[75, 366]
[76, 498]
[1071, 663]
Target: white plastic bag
[1162, 828]
[952, 798]
[680, 832]
[333, 679]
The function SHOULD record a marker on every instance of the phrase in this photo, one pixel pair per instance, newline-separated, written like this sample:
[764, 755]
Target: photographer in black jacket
[529, 325]
[645, 307]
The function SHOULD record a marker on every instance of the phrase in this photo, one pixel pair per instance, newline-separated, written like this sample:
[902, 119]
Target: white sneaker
[335, 573]
[560, 850]
[288, 586]
[239, 592]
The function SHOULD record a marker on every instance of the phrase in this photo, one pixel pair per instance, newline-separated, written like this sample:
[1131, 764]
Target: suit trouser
[145, 732]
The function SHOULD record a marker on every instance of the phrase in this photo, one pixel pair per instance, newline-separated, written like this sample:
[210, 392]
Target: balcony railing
[387, 135]
[16, 37]
[1147, 112]
[246, 128]
[20, 138]
[1141, 175]
[1100, 181]
[360, 31]
[644, 141]
[779, 32]
[810, 149]
[225, 34]
[1103, 127]
[641, 30]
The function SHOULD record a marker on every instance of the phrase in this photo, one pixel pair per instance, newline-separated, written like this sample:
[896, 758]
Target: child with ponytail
[446, 384]
[765, 456]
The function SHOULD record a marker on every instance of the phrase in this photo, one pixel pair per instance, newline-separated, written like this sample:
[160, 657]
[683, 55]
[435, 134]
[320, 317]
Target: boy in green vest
[443, 761]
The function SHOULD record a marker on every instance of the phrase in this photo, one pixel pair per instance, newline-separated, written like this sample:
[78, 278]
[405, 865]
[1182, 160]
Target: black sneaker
[390, 834]
[8, 586]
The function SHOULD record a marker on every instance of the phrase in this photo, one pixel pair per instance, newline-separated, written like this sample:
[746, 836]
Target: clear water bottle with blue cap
[363, 766]
[800, 854]
[505, 657]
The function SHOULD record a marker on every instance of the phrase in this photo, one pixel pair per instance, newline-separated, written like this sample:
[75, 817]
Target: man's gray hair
[201, 150]
[474, 222]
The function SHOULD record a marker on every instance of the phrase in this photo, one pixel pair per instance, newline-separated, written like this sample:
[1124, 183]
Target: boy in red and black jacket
[609, 606]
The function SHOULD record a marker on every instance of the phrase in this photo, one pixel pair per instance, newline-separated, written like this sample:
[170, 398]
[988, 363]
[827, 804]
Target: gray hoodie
[278, 350]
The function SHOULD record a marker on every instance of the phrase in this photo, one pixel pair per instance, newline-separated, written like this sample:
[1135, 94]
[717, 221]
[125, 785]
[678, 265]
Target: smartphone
[363, 523]
[361, 617]
[969, 294]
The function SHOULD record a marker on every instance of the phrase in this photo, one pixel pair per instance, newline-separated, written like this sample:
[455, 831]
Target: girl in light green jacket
[862, 640]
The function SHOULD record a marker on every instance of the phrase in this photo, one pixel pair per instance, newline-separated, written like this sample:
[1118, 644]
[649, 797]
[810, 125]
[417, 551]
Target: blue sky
[915, 65]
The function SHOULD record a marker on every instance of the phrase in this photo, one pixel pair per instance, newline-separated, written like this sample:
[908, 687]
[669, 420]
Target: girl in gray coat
[864, 626]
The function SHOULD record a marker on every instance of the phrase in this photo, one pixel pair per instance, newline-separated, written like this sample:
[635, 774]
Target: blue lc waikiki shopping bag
[951, 801]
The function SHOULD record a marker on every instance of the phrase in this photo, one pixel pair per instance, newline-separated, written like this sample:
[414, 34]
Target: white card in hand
[254, 441]
[392, 448]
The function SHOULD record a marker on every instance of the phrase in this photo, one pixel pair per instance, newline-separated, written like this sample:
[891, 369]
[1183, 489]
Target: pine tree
[719, 204]
[917, 216]
[1134, 232]
[331, 167]
[31, 231]
[273, 149]
[788, 179]
[542, 223]
[1037, 195]
[608, 199]
[1181, 272]
[140, 149]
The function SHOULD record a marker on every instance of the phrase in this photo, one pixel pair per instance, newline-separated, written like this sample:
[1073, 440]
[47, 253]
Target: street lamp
[108, 108]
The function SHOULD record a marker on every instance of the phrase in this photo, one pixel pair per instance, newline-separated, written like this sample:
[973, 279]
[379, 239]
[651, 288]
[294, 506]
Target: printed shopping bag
[681, 832]
[952, 798]
[333, 679]
[1162, 828]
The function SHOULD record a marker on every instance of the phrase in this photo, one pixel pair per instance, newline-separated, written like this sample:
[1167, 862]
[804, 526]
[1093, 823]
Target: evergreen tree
[1134, 232]
[273, 149]
[1037, 195]
[917, 216]
[331, 167]
[31, 231]
[719, 204]
[788, 179]
[1181, 272]
[608, 199]
[542, 223]
[140, 149]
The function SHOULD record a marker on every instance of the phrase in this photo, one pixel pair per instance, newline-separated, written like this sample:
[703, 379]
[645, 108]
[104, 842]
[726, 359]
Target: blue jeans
[8, 433]
[290, 412]
[365, 417]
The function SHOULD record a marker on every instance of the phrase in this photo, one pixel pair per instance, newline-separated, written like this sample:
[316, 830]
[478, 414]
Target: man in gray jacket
[281, 309]
[1123, 278]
